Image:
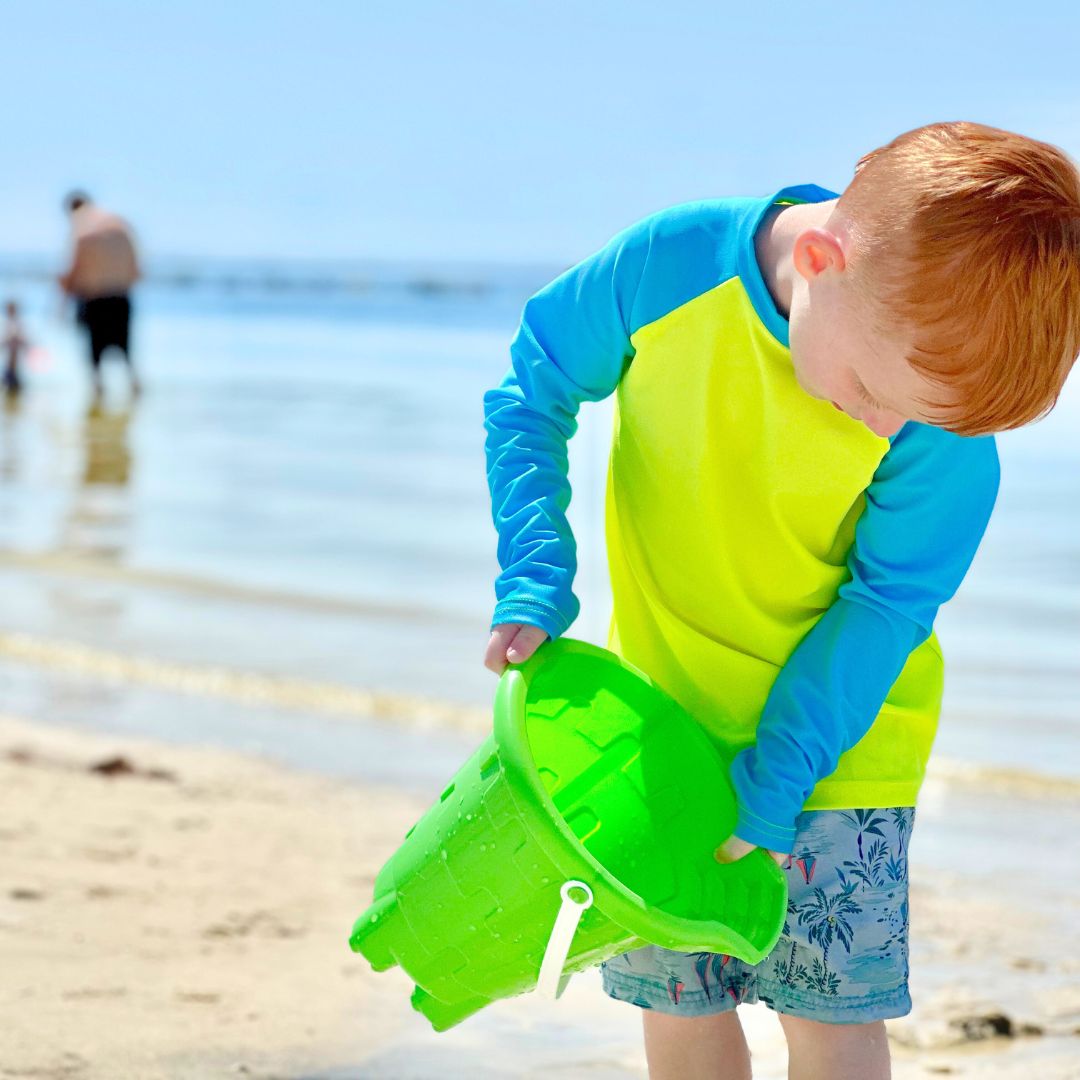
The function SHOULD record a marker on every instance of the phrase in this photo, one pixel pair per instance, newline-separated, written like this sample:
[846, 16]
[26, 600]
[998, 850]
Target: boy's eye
[866, 395]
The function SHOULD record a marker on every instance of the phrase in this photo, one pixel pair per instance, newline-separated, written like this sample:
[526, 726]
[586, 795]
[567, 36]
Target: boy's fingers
[733, 849]
[513, 642]
[527, 640]
[495, 654]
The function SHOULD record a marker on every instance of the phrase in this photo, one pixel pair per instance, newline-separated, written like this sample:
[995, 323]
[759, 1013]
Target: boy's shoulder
[925, 464]
[920, 442]
[721, 216]
[683, 250]
[701, 217]
[679, 252]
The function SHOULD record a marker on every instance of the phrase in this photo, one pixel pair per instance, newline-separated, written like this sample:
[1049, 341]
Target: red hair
[969, 238]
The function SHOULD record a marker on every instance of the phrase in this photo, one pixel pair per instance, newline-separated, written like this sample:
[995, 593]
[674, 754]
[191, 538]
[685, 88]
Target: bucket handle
[551, 981]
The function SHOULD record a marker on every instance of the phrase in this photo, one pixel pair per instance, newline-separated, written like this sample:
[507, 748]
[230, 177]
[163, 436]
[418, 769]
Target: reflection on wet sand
[98, 521]
[9, 440]
[105, 441]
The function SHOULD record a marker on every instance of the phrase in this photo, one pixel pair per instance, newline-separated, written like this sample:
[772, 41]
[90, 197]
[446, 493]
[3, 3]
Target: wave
[245, 687]
[411, 711]
[1003, 780]
[96, 569]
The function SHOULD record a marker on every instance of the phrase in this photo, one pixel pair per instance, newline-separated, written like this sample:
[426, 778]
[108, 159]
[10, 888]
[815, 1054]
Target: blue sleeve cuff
[532, 612]
[762, 833]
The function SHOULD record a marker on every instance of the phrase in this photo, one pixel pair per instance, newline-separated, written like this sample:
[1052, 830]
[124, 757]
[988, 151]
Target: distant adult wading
[103, 268]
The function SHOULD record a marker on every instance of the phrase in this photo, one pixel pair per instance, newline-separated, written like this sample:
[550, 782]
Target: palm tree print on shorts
[866, 823]
[827, 920]
[877, 867]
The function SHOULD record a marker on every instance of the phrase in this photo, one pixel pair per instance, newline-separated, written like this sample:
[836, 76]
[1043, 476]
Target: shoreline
[184, 913]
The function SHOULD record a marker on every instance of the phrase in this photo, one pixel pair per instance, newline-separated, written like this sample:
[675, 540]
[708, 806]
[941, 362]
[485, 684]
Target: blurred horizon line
[313, 274]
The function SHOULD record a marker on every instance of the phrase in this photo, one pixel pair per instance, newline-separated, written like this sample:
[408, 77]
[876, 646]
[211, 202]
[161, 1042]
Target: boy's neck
[773, 243]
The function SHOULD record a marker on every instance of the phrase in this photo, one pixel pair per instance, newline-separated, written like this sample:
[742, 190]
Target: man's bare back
[103, 261]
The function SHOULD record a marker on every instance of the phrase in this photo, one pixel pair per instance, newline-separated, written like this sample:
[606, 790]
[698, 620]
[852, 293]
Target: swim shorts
[107, 319]
[842, 957]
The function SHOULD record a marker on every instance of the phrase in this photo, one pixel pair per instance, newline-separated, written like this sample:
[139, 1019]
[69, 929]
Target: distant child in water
[14, 346]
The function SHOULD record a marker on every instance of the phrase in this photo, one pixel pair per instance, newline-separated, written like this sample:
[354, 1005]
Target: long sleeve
[926, 511]
[573, 345]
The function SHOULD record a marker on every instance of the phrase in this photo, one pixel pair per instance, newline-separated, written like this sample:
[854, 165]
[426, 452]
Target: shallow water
[300, 495]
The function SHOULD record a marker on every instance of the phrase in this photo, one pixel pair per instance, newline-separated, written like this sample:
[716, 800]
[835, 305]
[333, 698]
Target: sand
[183, 913]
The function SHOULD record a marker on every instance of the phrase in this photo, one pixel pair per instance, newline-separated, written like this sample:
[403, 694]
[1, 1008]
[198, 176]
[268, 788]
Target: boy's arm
[926, 511]
[573, 345]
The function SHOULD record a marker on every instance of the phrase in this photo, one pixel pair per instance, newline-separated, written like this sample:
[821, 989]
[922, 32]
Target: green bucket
[583, 827]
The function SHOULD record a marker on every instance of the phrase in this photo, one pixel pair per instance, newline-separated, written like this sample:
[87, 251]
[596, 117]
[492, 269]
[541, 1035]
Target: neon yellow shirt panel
[733, 497]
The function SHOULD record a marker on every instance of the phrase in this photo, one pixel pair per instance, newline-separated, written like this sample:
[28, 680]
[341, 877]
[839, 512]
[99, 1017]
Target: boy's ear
[815, 251]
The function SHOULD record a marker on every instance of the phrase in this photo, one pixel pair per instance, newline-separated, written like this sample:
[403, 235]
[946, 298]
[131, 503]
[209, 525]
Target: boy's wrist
[756, 830]
[532, 612]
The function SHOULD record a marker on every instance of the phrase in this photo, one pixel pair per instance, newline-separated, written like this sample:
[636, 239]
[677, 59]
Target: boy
[802, 469]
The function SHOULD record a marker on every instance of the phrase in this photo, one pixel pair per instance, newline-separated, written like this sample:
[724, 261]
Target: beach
[240, 654]
[264, 272]
[179, 912]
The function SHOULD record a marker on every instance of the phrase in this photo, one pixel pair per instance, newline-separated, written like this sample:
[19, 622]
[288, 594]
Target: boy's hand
[733, 849]
[512, 643]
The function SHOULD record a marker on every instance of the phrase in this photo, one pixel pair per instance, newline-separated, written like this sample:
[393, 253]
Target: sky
[504, 131]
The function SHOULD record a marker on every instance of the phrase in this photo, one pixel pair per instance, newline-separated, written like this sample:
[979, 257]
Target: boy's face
[840, 355]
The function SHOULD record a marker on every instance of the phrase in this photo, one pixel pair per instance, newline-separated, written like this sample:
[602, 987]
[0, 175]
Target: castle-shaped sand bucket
[585, 826]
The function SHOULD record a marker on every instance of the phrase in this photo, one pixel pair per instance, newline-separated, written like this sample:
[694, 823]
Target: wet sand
[184, 913]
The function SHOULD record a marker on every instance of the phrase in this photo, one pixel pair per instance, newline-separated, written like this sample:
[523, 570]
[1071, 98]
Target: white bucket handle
[551, 982]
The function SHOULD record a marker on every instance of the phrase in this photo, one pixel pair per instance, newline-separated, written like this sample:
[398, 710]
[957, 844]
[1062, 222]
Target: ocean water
[289, 532]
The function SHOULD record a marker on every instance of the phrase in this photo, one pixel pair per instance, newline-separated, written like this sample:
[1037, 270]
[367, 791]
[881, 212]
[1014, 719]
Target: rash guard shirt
[775, 566]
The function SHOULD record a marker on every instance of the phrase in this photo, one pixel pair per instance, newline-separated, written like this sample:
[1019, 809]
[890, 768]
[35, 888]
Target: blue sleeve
[573, 345]
[926, 511]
